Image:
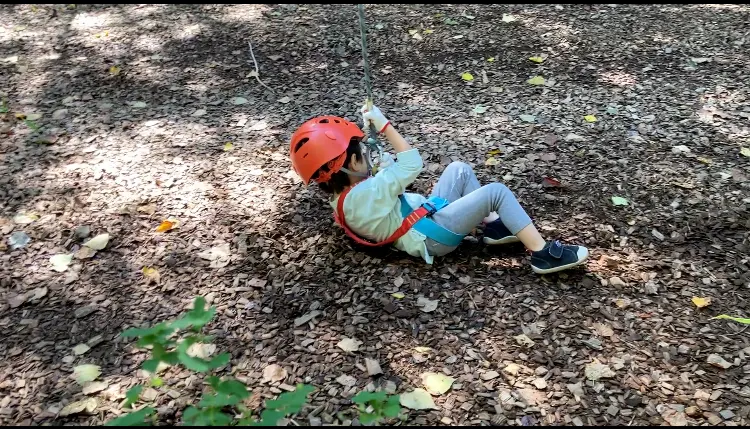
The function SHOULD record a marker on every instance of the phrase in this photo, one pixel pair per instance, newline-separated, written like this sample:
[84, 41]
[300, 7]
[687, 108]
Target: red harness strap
[406, 225]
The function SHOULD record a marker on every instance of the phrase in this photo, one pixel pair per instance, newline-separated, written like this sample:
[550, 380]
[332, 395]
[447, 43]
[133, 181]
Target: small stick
[257, 72]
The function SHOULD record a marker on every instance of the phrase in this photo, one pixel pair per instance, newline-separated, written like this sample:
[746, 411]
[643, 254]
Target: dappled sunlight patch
[722, 7]
[619, 78]
[148, 43]
[242, 13]
[86, 21]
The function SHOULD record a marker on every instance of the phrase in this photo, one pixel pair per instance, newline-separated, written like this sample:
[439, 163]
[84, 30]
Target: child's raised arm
[374, 116]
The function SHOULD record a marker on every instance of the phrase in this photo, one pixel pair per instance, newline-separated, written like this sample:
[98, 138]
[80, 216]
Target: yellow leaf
[701, 302]
[167, 225]
[745, 151]
[536, 80]
[537, 60]
[494, 152]
[71, 6]
[467, 77]
[114, 70]
[99, 242]
[228, 147]
[106, 33]
[704, 160]
[491, 161]
[491, 59]
[413, 32]
[151, 275]
[20, 116]
[590, 118]
[418, 399]
[436, 383]
[398, 295]
[439, 15]
[34, 8]
[428, 31]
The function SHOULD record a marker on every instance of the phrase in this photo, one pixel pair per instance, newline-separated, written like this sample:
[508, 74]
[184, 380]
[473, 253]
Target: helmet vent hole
[323, 121]
[300, 144]
[337, 121]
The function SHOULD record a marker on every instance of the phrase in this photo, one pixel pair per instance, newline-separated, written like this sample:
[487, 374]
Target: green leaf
[197, 317]
[735, 319]
[219, 360]
[619, 201]
[136, 418]
[198, 364]
[233, 388]
[392, 407]
[368, 418]
[150, 365]
[190, 414]
[218, 400]
[157, 382]
[270, 417]
[31, 124]
[132, 396]
[291, 402]
[364, 397]
[213, 381]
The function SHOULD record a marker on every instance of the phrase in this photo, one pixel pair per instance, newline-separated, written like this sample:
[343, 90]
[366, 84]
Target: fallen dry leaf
[99, 242]
[167, 225]
[349, 344]
[718, 361]
[273, 373]
[596, 370]
[701, 302]
[418, 399]
[88, 405]
[427, 305]
[151, 275]
[60, 262]
[86, 373]
[436, 383]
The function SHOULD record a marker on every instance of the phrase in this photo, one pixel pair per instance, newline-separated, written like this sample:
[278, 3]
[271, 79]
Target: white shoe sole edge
[583, 254]
[505, 240]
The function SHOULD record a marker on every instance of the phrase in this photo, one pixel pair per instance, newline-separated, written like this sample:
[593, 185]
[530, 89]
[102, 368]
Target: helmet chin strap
[355, 173]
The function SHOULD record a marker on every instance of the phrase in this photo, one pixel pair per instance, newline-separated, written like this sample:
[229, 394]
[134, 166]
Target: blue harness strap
[429, 227]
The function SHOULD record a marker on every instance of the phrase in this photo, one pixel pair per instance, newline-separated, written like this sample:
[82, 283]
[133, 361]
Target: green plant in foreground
[735, 319]
[4, 107]
[376, 406]
[223, 404]
[31, 124]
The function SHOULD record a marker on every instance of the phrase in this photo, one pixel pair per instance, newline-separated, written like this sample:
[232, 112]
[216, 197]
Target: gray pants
[470, 203]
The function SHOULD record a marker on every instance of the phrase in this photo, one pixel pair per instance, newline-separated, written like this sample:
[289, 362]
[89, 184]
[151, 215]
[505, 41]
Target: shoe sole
[505, 240]
[561, 267]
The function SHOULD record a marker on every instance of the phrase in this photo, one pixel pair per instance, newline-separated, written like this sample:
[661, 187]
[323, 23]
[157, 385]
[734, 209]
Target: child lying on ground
[327, 150]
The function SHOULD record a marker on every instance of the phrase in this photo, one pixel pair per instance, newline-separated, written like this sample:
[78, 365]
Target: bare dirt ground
[135, 104]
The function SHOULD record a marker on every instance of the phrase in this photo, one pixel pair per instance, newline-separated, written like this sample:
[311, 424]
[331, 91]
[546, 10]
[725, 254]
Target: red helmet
[321, 141]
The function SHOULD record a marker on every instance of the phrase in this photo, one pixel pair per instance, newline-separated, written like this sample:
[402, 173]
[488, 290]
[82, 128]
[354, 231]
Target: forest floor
[117, 117]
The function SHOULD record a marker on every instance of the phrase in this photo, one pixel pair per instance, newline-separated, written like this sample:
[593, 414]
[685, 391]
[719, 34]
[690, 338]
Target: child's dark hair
[340, 180]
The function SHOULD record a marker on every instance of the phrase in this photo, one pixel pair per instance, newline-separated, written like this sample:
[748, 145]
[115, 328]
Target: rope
[372, 142]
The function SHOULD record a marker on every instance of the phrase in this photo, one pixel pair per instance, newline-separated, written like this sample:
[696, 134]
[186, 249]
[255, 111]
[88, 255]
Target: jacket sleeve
[380, 193]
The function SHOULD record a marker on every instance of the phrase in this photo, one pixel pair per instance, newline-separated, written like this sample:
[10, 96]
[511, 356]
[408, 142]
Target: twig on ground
[257, 72]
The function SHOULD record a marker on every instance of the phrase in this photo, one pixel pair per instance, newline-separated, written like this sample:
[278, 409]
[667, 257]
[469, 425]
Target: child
[327, 150]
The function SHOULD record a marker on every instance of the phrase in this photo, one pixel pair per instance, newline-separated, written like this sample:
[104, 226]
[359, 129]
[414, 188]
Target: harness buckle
[431, 209]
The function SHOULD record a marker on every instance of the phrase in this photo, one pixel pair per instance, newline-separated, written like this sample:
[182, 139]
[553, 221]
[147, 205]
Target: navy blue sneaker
[557, 257]
[495, 232]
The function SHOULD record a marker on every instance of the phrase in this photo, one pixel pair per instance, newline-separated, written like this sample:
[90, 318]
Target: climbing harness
[418, 218]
